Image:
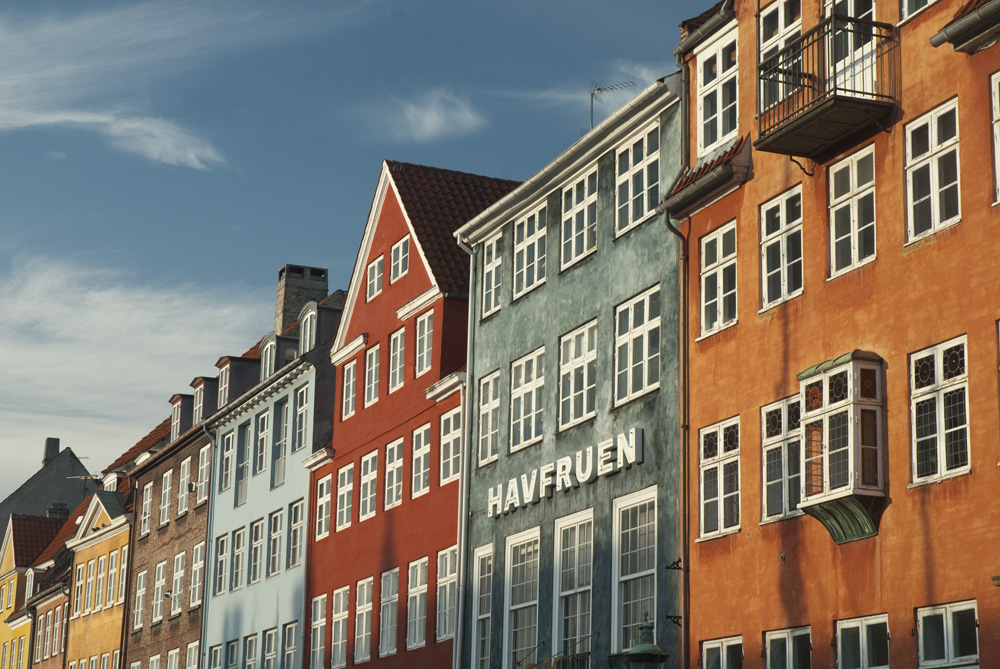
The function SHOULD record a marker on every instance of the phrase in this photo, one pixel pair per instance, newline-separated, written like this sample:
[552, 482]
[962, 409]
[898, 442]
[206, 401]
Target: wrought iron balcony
[837, 82]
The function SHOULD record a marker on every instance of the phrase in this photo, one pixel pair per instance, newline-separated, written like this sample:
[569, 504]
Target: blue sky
[160, 161]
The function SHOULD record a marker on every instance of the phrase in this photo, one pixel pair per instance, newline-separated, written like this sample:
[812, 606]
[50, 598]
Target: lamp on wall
[646, 653]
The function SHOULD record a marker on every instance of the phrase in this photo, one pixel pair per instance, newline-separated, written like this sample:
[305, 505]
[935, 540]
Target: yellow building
[97, 594]
[24, 540]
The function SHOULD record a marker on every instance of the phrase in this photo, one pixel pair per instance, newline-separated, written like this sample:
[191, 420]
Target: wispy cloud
[436, 114]
[81, 70]
[92, 355]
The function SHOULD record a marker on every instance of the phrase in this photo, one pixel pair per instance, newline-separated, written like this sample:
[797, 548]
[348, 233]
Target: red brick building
[842, 412]
[383, 572]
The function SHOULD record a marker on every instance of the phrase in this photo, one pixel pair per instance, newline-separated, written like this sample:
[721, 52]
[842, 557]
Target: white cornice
[261, 393]
[446, 387]
[318, 459]
[349, 349]
[418, 303]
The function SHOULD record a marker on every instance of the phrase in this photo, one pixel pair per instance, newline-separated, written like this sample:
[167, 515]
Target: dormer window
[175, 421]
[223, 385]
[199, 402]
[842, 428]
[267, 360]
[307, 333]
[400, 258]
[29, 588]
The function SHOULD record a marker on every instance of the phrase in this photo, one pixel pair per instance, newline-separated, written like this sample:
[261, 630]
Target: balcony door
[853, 62]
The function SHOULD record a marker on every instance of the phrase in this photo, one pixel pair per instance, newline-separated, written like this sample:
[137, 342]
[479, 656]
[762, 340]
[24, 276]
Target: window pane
[850, 648]
[932, 637]
[963, 625]
[878, 645]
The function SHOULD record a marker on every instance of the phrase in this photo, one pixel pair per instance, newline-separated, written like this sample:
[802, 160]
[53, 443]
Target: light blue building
[267, 424]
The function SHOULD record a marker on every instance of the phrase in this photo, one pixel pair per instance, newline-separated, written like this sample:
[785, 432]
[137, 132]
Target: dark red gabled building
[383, 564]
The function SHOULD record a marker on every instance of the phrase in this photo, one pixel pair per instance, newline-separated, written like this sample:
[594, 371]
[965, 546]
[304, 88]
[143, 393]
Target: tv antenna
[596, 90]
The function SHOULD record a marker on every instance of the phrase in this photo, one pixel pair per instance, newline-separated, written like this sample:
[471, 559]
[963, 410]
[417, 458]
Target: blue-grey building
[271, 417]
[572, 473]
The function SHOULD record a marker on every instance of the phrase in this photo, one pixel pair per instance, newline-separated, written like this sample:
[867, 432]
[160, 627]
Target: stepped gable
[32, 534]
[438, 202]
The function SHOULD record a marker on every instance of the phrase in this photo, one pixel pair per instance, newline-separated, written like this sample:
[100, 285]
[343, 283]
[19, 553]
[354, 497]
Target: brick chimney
[297, 285]
[51, 449]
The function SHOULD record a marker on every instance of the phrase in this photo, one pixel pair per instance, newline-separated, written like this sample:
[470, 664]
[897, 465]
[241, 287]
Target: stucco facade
[573, 424]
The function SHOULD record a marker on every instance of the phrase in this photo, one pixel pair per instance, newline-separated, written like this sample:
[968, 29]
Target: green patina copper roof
[856, 354]
[848, 518]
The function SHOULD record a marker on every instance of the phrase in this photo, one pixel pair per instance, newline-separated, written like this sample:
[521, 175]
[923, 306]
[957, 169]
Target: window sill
[524, 446]
[845, 272]
[716, 331]
[939, 479]
[644, 393]
[916, 14]
[485, 463]
[718, 535]
[578, 421]
[455, 478]
[577, 260]
[778, 519]
[632, 226]
[417, 495]
[391, 506]
[932, 233]
[341, 528]
[534, 286]
[778, 303]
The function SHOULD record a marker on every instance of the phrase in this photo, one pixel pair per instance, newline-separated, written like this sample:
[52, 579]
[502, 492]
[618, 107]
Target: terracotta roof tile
[253, 353]
[31, 534]
[701, 169]
[690, 25]
[159, 433]
[438, 202]
[67, 530]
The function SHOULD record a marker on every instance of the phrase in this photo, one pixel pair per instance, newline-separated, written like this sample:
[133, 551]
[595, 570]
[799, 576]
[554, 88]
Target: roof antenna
[596, 90]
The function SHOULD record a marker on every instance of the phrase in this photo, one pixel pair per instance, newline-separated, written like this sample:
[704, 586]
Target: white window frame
[350, 390]
[121, 576]
[261, 442]
[270, 649]
[723, 647]
[787, 238]
[226, 462]
[578, 375]
[173, 659]
[182, 486]
[397, 355]
[177, 584]
[425, 343]
[204, 477]
[788, 637]
[492, 274]
[619, 619]
[267, 359]
[301, 418]
[719, 296]
[339, 614]
[317, 633]
[368, 489]
[416, 604]
[393, 474]
[627, 336]
[275, 542]
[139, 603]
[527, 400]
[451, 445]
[529, 250]
[910, 8]
[198, 408]
[147, 509]
[781, 466]
[223, 386]
[345, 496]
[221, 564]
[166, 492]
[197, 573]
[785, 32]
[296, 533]
[307, 332]
[720, 462]
[579, 218]
[388, 612]
[420, 482]
[239, 544]
[324, 495]
[851, 202]
[862, 626]
[400, 262]
[948, 612]
[102, 563]
[256, 561]
[363, 620]
[637, 181]
[88, 593]
[175, 421]
[725, 44]
[995, 105]
[374, 278]
[931, 159]
[290, 645]
[447, 593]
[573, 582]
[482, 560]
[514, 542]
[371, 375]
[489, 418]
[192, 658]
[939, 389]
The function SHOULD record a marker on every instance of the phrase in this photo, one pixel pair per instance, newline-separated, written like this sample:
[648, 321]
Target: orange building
[841, 418]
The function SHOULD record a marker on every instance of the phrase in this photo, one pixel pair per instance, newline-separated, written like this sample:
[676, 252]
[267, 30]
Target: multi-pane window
[782, 466]
[243, 446]
[99, 589]
[634, 565]
[852, 211]
[363, 621]
[267, 356]
[578, 375]
[574, 583]
[388, 612]
[483, 605]
[232, 654]
[579, 218]
[260, 448]
[197, 572]
[175, 421]
[338, 627]
[718, 279]
[932, 185]
[173, 659]
[717, 98]
[301, 418]
[296, 532]
[223, 386]
[226, 463]
[637, 346]
[939, 411]
[780, 25]
[638, 179]
[77, 591]
[317, 633]
[199, 404]
[529, 252]
[447, 592]
[204, 462]
[221, 563]
[492, 274]
[789, 649]
[290, 645]
[425, 342]
[374, 285]
[307, 332]
[416, 604]
[280, 440]
[397, 350]
[192, 659]
[89, 594]
[239, 558]
[139, 604]
[371, 375]
[489, 418]
[345, 490]
[182, 487]
[863, 643]
[323, 499]
[911, 7]
[521, 637]
[995, 94]
[369, 483]
[527, 400]
[270, 649]
[177, 584]
[720, 477]
[166, 491]
[948, 635]
[274, 541]
[842, 429]
[781, 247]
[722, 653]
[400, 259]
[256, 550]
[451, 445]
[147, 509]
[421, 464]
[350, 382]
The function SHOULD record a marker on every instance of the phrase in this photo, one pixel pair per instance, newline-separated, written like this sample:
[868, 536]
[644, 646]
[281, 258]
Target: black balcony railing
[577, 661]
[834, 81]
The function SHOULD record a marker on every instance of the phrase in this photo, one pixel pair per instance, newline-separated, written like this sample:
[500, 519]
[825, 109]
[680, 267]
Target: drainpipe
[209, 546]
[463, 481]
[952, 31]
[33, 615]
[129, 573]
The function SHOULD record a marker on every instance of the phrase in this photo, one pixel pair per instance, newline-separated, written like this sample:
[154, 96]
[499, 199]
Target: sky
[160, 161]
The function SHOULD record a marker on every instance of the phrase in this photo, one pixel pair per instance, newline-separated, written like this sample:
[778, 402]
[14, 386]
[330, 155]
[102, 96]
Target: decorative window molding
[634, 534]
[863, 642]
[718, 279]
[782, 470]
[579, 218]
[638, 179]
[489, 418]
[421, 462]
[933, 195]
[492, 273]
[400, 262]
[948, 635]
[637, 346]
[573, 586]
[578, 375]
[529, 251]
[374, 276]
[527, 399]
[718, 99]
[852, 212]
[781, 248]
[720, 477]
[939, 411]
